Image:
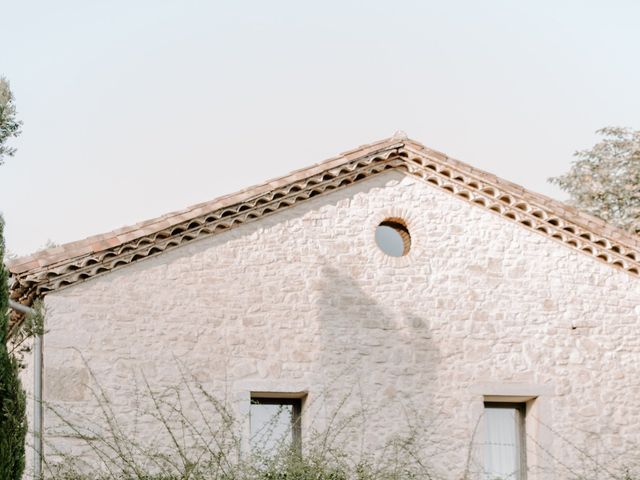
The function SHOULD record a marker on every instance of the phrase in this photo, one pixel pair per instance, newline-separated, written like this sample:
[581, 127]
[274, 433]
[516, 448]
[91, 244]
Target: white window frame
[538, 421]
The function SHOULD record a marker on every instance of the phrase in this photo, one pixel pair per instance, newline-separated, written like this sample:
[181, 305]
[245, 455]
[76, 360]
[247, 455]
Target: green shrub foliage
[13, 422]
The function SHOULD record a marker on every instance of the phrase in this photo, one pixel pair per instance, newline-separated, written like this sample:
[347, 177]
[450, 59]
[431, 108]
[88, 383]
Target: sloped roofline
[55, 268]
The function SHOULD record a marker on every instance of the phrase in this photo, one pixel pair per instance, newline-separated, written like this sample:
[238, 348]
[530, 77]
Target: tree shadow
[378, 366]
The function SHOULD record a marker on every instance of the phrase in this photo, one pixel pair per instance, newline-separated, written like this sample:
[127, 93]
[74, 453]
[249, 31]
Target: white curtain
[270, 427]
[502, 449]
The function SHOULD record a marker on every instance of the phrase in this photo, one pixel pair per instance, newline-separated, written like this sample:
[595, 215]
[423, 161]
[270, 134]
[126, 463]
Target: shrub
[201, 440]
[13, 421]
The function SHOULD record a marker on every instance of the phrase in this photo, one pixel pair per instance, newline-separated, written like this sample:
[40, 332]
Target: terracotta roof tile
[28, 271]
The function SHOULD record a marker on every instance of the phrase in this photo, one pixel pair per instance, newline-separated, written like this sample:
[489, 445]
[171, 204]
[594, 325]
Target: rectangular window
[275, 424]
[504, 446]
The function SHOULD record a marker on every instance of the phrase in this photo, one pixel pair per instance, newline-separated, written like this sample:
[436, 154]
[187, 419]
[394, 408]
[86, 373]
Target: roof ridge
[101, 240]
[73, 262]
[568, 210]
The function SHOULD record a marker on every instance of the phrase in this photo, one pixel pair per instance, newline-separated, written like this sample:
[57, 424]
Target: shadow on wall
[379, 367]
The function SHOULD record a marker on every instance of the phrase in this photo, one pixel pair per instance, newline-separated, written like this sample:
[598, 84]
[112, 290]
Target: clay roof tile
[26, 267]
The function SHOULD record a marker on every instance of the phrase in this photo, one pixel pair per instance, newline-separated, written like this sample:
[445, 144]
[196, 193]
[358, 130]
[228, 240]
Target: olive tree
[605, 180]
[9, 124]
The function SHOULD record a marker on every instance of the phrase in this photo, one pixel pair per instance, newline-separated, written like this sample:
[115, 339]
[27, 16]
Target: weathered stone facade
[304, 300]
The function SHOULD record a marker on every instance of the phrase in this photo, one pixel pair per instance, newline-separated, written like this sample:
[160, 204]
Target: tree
[13, 420]
[9, 124]
[605, 180]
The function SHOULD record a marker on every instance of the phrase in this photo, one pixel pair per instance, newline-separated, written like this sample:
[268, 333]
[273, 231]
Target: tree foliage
[13, 421]
[9, 124]
[605, 180]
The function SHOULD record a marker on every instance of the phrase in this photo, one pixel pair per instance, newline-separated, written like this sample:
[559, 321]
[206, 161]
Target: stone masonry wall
[305, 301]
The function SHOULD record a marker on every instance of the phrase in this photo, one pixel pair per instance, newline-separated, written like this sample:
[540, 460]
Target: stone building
[498, 327]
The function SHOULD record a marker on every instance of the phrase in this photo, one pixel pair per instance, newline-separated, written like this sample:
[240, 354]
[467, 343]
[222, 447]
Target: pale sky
[132, 109]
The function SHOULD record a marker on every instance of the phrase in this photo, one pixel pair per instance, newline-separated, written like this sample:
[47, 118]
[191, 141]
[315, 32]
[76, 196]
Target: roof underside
[59, 267]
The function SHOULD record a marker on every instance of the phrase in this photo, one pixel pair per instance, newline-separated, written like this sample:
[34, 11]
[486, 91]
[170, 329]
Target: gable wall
[304, 300]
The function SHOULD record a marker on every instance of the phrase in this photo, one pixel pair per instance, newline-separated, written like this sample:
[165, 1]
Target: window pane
[389, 241]
[271, 427]
[502, 451]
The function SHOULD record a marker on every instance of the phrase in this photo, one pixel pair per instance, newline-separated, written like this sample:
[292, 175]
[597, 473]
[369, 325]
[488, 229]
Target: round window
[393, 238]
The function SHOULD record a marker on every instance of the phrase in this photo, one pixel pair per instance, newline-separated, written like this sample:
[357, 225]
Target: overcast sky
[132, 109]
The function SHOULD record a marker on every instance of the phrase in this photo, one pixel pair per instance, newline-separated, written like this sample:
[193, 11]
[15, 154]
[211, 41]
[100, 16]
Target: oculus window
[393, 238]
